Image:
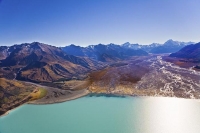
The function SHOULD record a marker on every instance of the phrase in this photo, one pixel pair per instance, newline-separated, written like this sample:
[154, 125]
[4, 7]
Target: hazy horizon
[94, 44]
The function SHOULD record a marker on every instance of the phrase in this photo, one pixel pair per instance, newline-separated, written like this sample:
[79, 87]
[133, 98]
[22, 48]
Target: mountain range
[40, 62]
[104, 53]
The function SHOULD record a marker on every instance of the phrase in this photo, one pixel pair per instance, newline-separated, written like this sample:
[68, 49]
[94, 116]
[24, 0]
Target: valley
[138, 76]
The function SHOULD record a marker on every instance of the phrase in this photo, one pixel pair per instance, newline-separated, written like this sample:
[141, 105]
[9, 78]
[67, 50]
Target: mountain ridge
[169, 46]
[104, 53]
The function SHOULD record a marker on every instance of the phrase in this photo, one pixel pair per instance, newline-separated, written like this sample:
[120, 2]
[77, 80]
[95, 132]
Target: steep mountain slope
[6, 50]
[191, 52]
[3, 52]
[44, 63]
[105, 53]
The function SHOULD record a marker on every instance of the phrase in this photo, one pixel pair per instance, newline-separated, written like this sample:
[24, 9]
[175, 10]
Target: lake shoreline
[7, 112]
[132, 95]
[89, 94]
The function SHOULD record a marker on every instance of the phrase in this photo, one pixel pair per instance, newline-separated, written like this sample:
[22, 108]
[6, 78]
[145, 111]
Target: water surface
[106, 115]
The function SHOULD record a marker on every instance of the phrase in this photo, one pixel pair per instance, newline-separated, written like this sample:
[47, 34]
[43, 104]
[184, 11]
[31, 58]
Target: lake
[106, 115]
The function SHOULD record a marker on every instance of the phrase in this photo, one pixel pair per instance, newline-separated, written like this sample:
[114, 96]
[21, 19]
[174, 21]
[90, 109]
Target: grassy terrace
[39, 93]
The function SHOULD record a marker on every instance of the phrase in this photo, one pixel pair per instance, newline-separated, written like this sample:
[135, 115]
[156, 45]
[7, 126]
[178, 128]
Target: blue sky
[86, 22]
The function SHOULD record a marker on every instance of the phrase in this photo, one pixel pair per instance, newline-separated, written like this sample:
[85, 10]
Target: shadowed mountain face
[5, 51]
[105, 53]
[191, 52]
[44, 63]
[169, 46]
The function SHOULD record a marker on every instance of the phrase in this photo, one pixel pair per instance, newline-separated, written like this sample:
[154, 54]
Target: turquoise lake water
[106, 115]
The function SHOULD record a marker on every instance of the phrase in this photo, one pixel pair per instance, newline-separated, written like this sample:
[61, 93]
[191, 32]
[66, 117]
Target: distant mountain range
[169, 46]
[112, 52]
[191, 52]
[104, 53]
